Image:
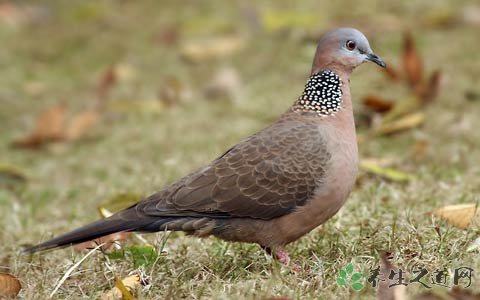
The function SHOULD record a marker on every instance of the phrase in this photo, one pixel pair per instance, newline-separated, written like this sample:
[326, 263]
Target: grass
[62, 57]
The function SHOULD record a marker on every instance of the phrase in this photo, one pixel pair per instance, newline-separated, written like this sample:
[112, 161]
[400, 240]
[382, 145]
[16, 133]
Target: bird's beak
[374, 58]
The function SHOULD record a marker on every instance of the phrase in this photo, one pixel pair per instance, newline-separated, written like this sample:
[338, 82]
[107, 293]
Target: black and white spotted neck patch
[322, 94]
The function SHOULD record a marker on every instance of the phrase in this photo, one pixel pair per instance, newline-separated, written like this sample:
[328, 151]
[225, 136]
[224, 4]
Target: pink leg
[283, 258]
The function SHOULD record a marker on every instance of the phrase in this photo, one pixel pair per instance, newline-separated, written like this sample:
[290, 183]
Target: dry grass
[62, 58]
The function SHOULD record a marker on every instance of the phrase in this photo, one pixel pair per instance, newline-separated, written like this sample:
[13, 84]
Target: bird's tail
[127, 220]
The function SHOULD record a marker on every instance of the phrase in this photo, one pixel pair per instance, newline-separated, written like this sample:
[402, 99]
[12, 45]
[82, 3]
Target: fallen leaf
[107, 80]
[288, 19]
[123, 289]
[373, 167]
[11, 175]
[80, 124]
[412, 63]
[49, 127]
[9, 286]
[119, 202]
[410, 121]
[385, 292]
[402, 107]
[196, 51]
[108, 241]
[459, 215]
[428, 92]
[378, 104]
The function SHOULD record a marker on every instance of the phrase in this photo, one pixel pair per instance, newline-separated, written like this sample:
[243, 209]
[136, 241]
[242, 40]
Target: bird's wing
[266, 176]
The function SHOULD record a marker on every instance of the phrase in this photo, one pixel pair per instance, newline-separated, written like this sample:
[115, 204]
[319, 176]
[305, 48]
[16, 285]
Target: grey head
[343, 50]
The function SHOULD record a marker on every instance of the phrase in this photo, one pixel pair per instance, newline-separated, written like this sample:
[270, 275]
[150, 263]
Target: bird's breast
[334, 187]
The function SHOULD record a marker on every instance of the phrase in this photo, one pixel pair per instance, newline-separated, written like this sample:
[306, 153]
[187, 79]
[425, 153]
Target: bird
[276, 185]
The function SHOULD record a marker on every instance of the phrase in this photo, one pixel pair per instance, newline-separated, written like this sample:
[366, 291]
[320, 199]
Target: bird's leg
[282, 257]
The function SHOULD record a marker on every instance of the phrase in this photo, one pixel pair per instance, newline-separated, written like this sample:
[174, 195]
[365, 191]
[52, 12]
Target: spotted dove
[273, 187]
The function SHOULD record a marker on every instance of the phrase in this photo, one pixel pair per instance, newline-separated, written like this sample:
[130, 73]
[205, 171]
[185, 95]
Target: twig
[67, 274]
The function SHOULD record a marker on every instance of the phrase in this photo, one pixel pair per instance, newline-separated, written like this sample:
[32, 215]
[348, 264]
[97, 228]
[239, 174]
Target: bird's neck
[324, 94]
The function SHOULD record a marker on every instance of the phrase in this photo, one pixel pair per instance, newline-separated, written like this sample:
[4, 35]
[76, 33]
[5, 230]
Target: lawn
[194, 78]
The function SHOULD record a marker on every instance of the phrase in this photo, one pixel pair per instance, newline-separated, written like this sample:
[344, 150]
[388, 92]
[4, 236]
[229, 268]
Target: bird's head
[344, 49]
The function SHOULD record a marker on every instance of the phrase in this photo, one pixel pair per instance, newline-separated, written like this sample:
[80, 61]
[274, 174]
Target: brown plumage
[276, 185]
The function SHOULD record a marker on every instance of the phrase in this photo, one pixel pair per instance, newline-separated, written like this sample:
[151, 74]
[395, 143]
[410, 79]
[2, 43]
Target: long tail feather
[123, 221]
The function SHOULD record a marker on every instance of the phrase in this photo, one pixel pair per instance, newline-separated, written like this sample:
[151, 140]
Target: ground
[60, 55]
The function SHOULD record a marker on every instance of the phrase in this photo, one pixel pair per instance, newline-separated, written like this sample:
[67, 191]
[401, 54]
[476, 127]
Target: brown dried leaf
[384, 291]
[123, 289]
[49, 127]
[412, 63]
[80, 124]
[428, 92]
[378, 104]
[460, 215]
[107, 80]
[109, 241]
[407, 122]
[9, 286]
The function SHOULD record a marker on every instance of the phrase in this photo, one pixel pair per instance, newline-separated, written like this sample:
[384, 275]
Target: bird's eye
[350, 45]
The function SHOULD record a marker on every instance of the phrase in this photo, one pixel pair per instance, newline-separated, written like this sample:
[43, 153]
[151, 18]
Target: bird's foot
[283, 258]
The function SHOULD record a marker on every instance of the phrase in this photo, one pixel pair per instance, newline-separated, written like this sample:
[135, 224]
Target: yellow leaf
[117, 203]
[373, 167]
[402, 107]
[278, 20]
[123, 288]
[211, 48]
[9, 286]
[11, 174]
[460, 215]
[404, 123]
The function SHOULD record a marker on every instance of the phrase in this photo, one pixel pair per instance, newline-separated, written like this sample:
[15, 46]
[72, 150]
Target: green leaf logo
[348, 278]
